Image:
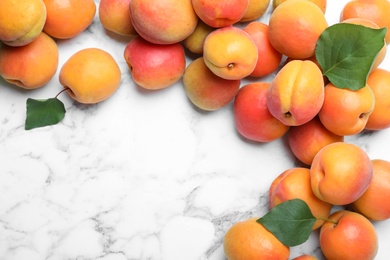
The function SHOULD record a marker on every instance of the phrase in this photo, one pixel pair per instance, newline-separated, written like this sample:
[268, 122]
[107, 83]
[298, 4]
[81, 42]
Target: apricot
[313, 59]
[255, 10]
[375, 201]
[30, 66]
[114, 16]
[379, 82]
[320, 3]
[373, 10]
[345, 112]
[194, 42]
[218, 13]
[230, 53]
[163, 21]
[340, 173]
[66, 19]
[348, 235]
[294, 183]
[306, 140]
[91, 75]
[294, 28]
[249, 239]
[296, 94]
[206, 90]
[21, 21]
[154, 66]
[251, 115]
[370, 24]
[269, 58]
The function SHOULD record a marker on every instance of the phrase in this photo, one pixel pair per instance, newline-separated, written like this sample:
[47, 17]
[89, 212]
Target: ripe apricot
[269, 58]
[345, 112]
[320, 3]
[296, 93]
[348, 235]
[218, 14]
[375, 201]
[255, 10]
[294, 183]
[92, 75]
[370, 24]
[306, 140]
[373, 10]
[230, 53]
[194, 42]
[66, 19]
[30, 66]
[21, 21]
[250, 240]
[252, 117]
[294, 28]
[379, 82]
[163, 21]
[340, 173]
[206, 90]
[114, 16]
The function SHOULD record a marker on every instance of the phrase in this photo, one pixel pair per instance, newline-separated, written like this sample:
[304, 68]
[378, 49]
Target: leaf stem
[65, 89]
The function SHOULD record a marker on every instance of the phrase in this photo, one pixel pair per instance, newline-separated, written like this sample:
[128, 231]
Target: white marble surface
[143, 175]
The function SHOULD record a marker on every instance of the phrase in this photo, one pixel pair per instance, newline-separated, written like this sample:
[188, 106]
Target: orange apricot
[30, 66]
[296, 94]
[294, 28]
[346, 112]
[255, 10]
[250, 240]
[21, 21]
[379, 82]
[348, 235]
[320, 3]
[92, 75]
[375, 201]
[306, 140]
[206, 90]
[373, 10]
[295, 183]
[269, 58]
[340, 173]
[66, 19]
[252, 117]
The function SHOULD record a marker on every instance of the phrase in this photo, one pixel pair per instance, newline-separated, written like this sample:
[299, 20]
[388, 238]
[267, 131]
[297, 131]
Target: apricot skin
[252, 117]
[375, 201]
[30, 66]
[296, 94]
[340, 173]
[92, 76]
[352, 237]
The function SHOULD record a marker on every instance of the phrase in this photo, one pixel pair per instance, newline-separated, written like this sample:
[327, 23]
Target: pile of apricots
[228, 44]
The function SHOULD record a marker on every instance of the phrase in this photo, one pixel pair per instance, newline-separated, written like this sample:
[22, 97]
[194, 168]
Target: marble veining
[143, 175]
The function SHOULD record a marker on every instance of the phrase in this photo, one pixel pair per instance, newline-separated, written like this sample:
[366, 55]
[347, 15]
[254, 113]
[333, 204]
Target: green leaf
[346, 53]
[291, 222]
[43, 112]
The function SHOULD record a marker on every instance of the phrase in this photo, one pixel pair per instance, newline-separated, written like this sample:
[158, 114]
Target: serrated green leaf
[43, 112]
[346, 53]
[291, 222]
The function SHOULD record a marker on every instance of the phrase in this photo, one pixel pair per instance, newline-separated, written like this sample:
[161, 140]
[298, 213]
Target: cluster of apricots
[341, 175]
[29, 55]
[228, 44]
